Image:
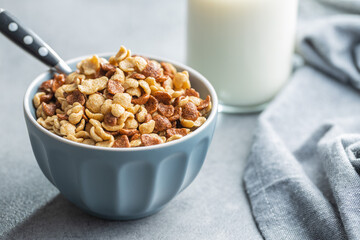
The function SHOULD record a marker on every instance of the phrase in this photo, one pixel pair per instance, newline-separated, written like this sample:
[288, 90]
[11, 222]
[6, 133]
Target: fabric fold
[338, 153]
[332, 44]
[301, 176]
[286, 202]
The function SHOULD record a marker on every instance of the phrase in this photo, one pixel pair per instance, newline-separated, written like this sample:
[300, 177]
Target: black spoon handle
[30, 42]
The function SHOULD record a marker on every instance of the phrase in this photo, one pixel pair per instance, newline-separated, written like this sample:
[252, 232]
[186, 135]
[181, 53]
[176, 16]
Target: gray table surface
[213, 207]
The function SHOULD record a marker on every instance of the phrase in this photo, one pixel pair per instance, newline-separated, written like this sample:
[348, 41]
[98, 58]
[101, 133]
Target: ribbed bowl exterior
[119, 185]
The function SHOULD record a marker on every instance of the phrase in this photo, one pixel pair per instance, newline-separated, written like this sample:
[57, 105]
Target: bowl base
[122, 218]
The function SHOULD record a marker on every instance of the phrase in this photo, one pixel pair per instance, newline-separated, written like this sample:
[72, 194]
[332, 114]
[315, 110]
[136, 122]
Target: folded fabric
[332, 45]
[302, 176]
[349, 5]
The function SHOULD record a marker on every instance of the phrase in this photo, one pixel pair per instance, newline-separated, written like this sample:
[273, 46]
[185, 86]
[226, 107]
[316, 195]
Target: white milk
[244, 47]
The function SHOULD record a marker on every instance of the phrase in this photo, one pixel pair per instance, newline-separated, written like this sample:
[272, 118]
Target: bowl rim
[212, 117]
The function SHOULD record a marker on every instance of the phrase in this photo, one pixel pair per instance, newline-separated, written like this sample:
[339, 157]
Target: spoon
[30, 42]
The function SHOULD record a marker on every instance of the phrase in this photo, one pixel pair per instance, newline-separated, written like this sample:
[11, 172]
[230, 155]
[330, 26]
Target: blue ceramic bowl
[116, 183]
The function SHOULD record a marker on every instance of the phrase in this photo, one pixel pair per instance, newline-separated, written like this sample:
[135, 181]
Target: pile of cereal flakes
[128, 101]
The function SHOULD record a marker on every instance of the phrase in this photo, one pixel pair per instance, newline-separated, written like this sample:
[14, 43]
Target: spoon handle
[30, 42]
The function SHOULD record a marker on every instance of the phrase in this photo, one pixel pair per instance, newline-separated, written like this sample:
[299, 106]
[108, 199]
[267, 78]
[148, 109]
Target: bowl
[121, 183]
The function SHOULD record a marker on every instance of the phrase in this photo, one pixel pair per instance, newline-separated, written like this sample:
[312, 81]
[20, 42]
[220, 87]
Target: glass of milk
[244, 48]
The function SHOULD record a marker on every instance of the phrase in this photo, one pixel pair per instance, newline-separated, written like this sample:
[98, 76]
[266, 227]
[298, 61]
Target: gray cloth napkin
[302, 176]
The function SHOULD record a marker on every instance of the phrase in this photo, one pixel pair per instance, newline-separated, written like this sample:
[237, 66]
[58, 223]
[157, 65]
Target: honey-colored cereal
[128, 101]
